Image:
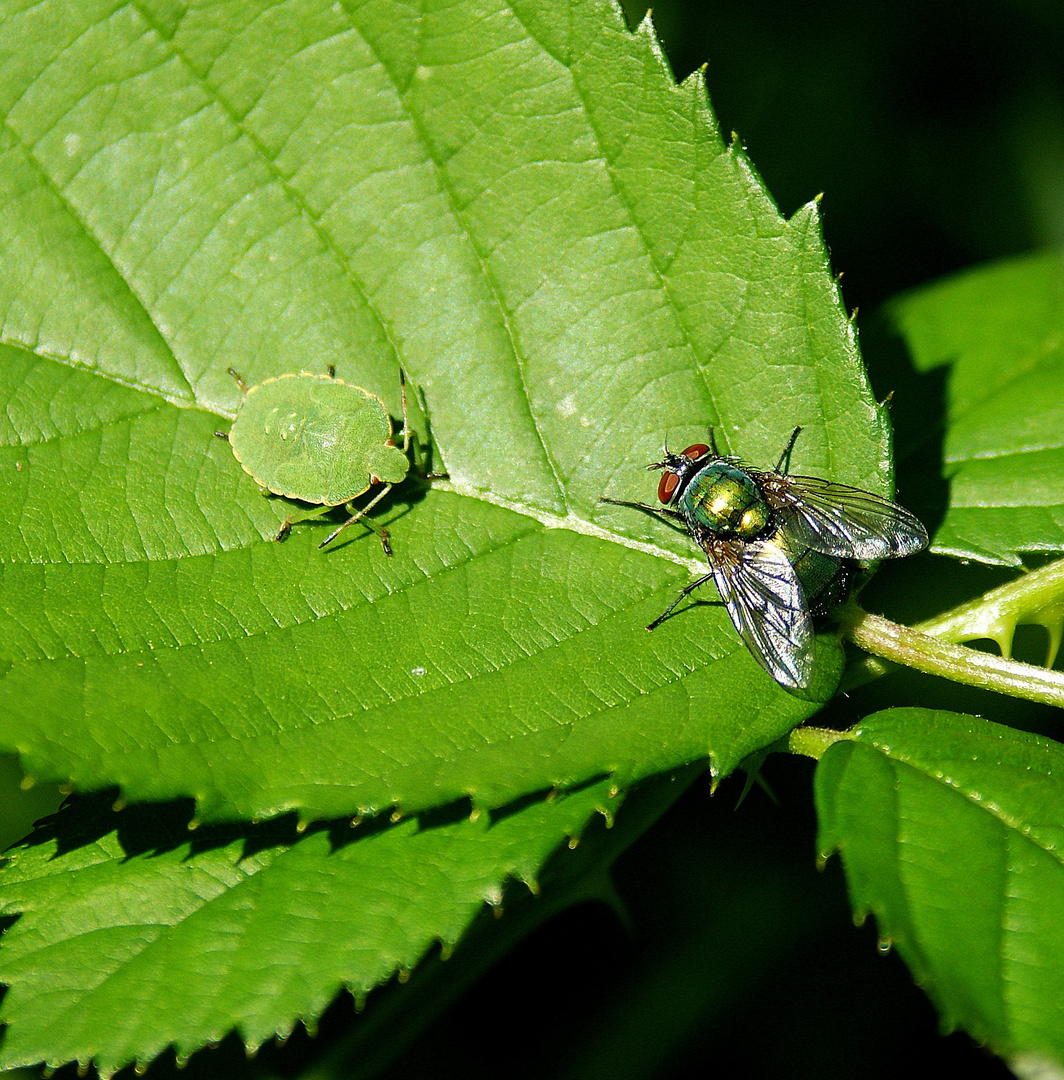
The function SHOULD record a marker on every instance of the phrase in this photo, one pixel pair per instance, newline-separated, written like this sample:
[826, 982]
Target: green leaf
[135, 935]
[516, 203]
[1000, 328]
[951, 831]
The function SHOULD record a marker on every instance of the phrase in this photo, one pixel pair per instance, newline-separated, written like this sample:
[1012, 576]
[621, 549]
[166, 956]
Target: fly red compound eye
[667, 486]
[696, 451]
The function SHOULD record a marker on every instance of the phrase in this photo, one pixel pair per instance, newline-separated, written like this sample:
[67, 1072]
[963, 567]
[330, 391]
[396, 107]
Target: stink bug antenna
[407, 430]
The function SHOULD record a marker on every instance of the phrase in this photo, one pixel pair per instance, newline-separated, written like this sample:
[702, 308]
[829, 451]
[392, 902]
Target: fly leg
[685, 591]
[786, 455]
[659, 510]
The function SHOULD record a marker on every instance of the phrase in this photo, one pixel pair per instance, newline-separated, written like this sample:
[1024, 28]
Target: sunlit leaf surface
[513, 201]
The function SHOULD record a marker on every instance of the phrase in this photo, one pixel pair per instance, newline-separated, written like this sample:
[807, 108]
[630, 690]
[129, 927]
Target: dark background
[934, 131]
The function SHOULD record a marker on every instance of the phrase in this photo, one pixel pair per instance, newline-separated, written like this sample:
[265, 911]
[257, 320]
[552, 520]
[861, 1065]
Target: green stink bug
[320, 440]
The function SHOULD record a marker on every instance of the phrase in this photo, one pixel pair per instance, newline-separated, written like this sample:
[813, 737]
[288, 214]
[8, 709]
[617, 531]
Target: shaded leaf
[1000, 329]
[135, 935]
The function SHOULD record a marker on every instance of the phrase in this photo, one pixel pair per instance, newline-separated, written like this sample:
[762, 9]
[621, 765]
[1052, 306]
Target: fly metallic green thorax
[726, 501]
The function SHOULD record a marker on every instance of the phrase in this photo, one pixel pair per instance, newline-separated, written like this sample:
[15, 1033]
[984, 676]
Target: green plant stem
[921, 651]
[813, 741]
[1035, 599]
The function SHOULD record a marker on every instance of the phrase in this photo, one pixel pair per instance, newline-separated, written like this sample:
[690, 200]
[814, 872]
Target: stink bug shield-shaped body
[780, 548]
[320, 440]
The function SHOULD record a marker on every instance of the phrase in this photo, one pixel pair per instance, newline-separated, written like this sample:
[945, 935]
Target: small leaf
[135, 934]
[951, 831]
[1001, 330]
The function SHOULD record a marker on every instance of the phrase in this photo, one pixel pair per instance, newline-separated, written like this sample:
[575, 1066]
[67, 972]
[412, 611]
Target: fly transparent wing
[845, 521]
[761, 591]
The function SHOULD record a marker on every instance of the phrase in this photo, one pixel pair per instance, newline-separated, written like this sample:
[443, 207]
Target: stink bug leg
[410, 437]
[360, 515]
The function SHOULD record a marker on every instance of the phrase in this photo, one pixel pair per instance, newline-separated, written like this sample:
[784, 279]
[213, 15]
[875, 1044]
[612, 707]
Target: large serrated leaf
[951, 830]
[1000, 330]
[517, 204]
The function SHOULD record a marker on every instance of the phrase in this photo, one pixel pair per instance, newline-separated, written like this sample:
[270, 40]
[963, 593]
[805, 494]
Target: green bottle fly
[781, 548]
